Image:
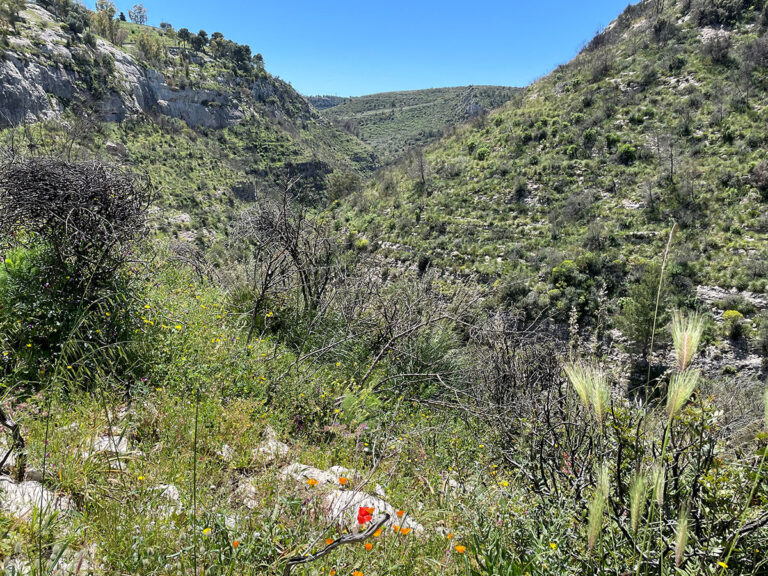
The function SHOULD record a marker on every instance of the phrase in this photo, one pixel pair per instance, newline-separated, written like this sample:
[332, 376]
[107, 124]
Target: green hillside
[394, 122]
[660, 121]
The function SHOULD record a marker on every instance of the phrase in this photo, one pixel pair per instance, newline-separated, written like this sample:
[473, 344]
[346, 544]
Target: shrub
[717, 46]
[87, 214]
[734, 324]
[759, 178]
[761, 341]
[719, 12]
[482, 153]
[627, 154]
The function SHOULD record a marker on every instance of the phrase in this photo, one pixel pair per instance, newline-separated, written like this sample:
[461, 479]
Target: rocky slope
[207, 130]
[42, 72]
[565, 200]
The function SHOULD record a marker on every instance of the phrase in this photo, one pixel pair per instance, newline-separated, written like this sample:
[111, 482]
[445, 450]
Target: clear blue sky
[350, 48]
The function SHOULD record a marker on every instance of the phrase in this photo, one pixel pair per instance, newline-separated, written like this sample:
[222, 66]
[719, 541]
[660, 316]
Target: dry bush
[90, 214]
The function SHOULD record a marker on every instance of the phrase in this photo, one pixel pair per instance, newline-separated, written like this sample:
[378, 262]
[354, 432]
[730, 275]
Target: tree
[203, 36]
[639, 309]
[151, 47]
[166, 26]
[184, 35]
[122, 17]
[258, 61]
[197, 43]
[106, 6]
[103, 21]
[241, 55]
[138, 14]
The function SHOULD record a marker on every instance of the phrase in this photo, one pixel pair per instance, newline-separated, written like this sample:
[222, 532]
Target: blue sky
[350, 48]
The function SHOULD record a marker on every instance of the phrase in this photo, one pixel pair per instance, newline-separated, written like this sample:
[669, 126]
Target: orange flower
[357, 573]
[328, 541]
[449, 536]
[332, 572]
[312, 482]
[236, 543]
[396, 528]
[404, 531]
[400, 513]
[461, 549]
[377, 533]
[368, 546]
[343, 481]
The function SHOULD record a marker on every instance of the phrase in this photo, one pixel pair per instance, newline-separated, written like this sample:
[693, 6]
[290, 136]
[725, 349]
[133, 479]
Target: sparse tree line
[105, 22]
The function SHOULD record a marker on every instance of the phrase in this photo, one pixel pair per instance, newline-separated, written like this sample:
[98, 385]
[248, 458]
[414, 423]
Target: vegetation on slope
[205, 170]
[569, 195]
[394, 122]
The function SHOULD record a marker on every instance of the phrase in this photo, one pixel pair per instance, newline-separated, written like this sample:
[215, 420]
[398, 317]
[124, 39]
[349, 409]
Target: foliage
[138, 14]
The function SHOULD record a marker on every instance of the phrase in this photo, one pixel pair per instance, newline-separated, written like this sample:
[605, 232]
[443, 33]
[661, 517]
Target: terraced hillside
[394, 122]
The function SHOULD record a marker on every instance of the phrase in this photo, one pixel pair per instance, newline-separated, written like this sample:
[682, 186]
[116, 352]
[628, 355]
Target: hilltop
[395, 122]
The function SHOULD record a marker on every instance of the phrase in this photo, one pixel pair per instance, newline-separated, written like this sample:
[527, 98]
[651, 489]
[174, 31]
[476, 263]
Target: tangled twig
[346, 539]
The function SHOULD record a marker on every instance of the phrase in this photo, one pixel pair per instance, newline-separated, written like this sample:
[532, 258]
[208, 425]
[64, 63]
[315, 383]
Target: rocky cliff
[43, 71]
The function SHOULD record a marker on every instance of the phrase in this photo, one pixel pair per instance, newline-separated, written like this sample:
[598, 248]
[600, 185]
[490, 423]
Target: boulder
[341, 507]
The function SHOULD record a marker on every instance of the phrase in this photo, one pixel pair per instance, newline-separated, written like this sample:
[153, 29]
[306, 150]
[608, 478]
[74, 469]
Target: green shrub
[627, 154]
[734, 325]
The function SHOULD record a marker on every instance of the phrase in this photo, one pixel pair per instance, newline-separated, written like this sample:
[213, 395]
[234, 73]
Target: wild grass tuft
[681, 386]
[686, 335]
[637, 494]
[681, 537]
[591, 384]
[597, 507]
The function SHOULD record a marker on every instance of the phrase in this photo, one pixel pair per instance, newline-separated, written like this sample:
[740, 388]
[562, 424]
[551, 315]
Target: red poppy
[364, 515]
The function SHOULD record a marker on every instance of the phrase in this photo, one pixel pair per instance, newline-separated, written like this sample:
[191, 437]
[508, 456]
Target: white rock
[226, 453]
[302, 473]
[246, 492]
[20, 499]
[270, 450]
[342, 507]
[111, 445]
[341, 472]
[170, 494]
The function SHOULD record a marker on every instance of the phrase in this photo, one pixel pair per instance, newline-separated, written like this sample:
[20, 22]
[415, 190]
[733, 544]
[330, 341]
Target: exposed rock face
[205, 108]
[38, 77]
[29, 91]
[712, 294]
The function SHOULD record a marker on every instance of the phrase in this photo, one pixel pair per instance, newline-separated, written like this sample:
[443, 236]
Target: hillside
[325, 102]
[660, 120]
[395, 122]
[210, 125]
